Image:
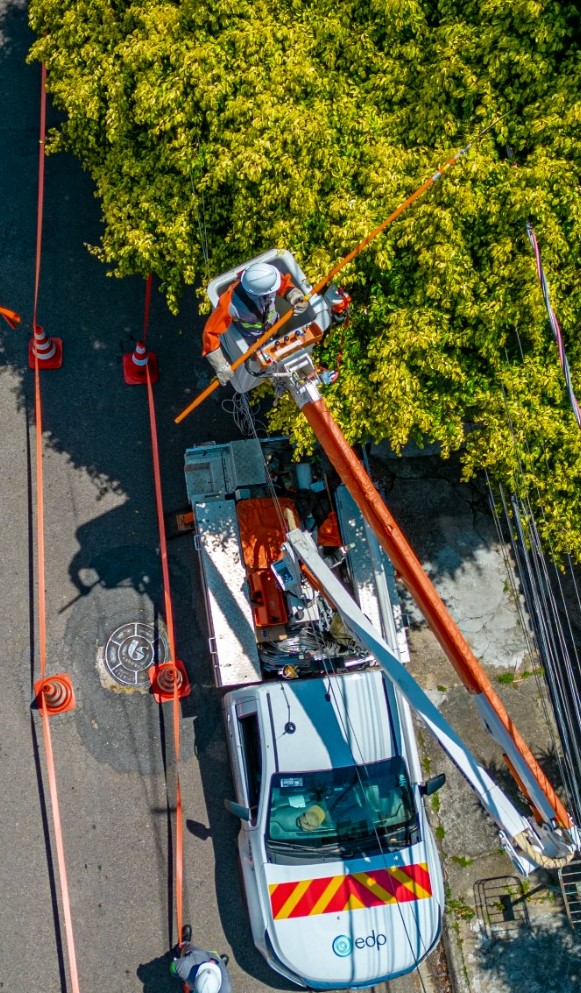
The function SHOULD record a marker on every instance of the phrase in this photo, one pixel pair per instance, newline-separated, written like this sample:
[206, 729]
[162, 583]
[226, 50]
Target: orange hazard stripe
[333, 894]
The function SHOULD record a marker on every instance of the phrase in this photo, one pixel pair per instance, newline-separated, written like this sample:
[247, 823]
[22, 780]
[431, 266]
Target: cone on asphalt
[162, 678]
[135, 366]
[56, 692]
[48, 351]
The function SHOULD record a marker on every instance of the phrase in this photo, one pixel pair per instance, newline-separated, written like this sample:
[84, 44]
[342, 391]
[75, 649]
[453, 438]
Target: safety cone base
[136, 375]
[161, 678]
[56, 692]
[56, 360]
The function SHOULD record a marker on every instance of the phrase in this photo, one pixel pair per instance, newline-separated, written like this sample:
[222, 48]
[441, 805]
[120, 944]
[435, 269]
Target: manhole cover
[132, 649]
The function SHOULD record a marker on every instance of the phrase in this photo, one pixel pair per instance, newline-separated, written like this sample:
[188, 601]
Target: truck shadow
[223, 830]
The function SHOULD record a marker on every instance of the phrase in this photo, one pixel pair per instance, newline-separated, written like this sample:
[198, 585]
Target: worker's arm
[218, 322]
[220, 365]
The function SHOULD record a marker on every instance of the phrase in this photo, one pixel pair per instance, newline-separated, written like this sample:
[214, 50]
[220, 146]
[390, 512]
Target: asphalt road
[114, 752]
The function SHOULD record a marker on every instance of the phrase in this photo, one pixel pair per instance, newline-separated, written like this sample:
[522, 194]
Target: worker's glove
[297, 300]
[220, 365]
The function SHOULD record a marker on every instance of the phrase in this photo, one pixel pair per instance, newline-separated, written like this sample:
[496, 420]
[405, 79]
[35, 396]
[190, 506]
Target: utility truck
[341, 873]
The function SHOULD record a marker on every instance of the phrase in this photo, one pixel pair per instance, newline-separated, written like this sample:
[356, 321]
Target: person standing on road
[199, 970]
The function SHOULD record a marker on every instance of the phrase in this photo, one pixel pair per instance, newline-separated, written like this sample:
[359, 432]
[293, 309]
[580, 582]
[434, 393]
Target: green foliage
[460, 909]
[231, 127]
[462, 860]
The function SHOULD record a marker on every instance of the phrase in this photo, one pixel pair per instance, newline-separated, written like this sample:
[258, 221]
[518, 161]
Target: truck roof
[336, 720]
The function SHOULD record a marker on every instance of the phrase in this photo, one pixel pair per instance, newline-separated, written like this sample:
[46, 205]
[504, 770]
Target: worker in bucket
[199, 970]
[249, 305]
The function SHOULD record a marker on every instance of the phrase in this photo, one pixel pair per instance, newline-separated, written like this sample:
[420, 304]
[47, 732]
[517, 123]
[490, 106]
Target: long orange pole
[409, 570]
[213, 385]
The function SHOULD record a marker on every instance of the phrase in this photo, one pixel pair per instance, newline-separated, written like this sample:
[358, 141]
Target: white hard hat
[208, 978]
[260, 279]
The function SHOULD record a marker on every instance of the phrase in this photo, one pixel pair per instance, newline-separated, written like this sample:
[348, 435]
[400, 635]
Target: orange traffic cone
[162, 678]
[48, 351]
[57, 693]
[135, 366]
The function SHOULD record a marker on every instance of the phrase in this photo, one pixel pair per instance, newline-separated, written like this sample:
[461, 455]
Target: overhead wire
[554, 323]
[549, 638]
[198, 199]
[276, 327]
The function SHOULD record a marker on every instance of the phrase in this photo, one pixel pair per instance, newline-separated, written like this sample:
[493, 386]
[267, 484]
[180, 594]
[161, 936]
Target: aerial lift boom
[554, 838]
[551, 839]
[527, 843]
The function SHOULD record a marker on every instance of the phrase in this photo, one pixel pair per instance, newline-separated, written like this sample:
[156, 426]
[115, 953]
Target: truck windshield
[349, 811]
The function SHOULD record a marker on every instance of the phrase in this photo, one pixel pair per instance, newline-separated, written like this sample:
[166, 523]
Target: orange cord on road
[41, 582]
[179, 844]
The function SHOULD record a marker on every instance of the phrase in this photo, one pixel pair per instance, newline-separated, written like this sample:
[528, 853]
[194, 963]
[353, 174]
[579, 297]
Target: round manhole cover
[132, 649]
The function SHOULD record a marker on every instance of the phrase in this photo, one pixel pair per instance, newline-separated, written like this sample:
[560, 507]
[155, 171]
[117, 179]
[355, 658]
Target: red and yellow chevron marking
[332, 894]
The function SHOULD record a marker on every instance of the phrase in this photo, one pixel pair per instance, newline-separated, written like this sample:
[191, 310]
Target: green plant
[440, 832]
[460, 909]
[462, 860]
[214, 130]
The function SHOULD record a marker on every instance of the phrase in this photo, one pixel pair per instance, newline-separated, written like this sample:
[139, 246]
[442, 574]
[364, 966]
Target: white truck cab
[340, 868]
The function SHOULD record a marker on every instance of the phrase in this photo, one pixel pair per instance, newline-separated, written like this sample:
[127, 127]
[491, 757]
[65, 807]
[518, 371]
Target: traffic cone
[57, 693]
[48, 351]
[162, 679]
[135, 366]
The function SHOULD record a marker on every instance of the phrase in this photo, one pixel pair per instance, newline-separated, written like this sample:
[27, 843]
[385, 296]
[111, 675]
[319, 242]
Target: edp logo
[343, 945]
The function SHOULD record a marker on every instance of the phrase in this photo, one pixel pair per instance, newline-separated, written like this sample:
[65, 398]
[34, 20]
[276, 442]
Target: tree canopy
[214, 129]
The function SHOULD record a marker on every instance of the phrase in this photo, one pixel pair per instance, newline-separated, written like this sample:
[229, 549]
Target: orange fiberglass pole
[409, 570]
[276, 327]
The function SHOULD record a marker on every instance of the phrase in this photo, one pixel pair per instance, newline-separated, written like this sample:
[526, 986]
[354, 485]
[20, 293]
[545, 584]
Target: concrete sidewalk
[503, 934]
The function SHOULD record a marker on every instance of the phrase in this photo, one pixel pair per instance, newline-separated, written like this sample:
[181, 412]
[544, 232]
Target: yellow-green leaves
[304, 123]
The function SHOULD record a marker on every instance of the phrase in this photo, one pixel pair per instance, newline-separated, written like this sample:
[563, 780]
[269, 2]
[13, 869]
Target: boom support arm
[528, 845]
[546, 805]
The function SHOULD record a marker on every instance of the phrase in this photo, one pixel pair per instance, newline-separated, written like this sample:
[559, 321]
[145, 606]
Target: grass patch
[462, 860]
[460, 909]
[509, 678]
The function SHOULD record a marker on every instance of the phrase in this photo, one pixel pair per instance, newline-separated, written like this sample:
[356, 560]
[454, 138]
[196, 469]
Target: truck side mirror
[433, 785]
[237, 809]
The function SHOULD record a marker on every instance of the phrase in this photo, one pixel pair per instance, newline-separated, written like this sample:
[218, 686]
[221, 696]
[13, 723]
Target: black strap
[249, 302]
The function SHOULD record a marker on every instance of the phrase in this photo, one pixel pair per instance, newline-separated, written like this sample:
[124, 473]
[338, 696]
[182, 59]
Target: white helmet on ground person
[208, 978]
[260, 279]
